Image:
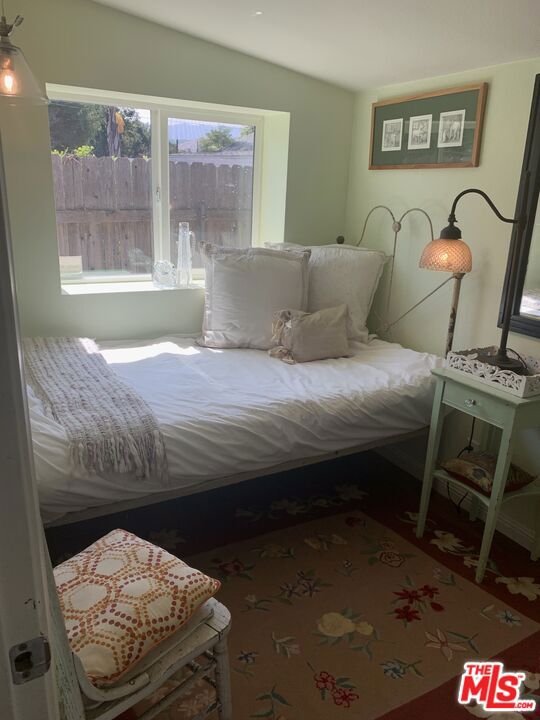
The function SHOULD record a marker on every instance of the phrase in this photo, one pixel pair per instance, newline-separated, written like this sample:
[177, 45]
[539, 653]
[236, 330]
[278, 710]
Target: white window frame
[161, 109]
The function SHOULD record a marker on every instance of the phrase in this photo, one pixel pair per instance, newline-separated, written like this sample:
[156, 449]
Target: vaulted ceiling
[359, 43]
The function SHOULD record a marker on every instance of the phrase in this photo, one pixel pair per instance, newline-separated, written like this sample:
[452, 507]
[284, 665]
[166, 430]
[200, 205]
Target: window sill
[121, 287]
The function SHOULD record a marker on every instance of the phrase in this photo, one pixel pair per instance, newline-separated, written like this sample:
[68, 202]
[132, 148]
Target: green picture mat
[466, 100]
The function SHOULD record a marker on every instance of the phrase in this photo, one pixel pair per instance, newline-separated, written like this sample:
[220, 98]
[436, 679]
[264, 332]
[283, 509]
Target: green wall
[505, 126]
[78, 42]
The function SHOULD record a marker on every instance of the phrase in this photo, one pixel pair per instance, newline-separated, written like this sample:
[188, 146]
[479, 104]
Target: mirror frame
[531, 165]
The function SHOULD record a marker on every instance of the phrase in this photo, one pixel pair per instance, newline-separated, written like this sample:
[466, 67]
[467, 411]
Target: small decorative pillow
[343, 275]
[478, 468]
[301, 337]
[121, 597]
[244, 288]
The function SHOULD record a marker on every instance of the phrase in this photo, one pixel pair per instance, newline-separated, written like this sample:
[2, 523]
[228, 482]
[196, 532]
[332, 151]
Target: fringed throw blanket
[109, 427]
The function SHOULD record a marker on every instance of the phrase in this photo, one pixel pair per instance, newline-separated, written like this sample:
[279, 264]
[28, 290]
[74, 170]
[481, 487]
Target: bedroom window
[210, 183]
[126, 174]
[102, 174]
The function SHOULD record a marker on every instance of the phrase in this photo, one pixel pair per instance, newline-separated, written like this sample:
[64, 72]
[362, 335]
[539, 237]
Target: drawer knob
[470, 402]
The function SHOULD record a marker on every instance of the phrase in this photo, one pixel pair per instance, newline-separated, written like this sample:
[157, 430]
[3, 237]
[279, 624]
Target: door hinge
[29, 660]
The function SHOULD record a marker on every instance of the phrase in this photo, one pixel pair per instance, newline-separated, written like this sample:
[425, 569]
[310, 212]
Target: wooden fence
[104, 208]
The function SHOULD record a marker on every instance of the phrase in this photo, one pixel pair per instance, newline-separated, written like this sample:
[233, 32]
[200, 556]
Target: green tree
[73, 125]
[135, 140]
[84, 151]
[76, 125]
[216, 140]
[246, 131]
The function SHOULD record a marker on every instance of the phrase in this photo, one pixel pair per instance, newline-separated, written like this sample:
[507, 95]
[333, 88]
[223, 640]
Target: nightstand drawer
[476, 403]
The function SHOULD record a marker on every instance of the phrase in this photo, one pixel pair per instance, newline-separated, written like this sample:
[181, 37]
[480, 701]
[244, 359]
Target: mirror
[526, 300]
[530, 296]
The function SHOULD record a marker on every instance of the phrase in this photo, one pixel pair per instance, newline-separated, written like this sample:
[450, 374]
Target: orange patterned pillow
[121, 597]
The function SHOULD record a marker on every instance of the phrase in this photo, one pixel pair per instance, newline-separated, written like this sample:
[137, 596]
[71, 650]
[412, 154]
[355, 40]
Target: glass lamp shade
[453, 256]
[17, 83]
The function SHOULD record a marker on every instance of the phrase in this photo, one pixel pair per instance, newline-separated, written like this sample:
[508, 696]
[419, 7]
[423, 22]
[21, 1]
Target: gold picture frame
[447, 125]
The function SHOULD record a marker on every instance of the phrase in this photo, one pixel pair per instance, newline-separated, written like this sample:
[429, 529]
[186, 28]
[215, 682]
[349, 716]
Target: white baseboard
[414, 465]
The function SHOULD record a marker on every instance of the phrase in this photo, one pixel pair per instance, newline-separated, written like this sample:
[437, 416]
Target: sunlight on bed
[124, 355]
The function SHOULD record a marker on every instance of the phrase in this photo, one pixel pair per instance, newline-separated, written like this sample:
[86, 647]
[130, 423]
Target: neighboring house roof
[239, 146]
[188, 146]
[243, 158]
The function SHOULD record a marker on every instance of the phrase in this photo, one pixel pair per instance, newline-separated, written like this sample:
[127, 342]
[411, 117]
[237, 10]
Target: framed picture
[391, 135]
[451, 126]
[420, 132]
[439, 129]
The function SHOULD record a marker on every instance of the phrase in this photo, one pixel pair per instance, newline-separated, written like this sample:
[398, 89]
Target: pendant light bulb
[8, 81]
[17, 82]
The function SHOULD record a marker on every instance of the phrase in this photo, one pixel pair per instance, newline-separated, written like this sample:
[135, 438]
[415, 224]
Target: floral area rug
[339, 611]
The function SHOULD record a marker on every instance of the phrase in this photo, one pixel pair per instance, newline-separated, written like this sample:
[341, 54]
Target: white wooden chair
[204, 636]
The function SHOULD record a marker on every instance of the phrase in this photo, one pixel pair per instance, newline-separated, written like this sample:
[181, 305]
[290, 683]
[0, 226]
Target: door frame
[24, 606]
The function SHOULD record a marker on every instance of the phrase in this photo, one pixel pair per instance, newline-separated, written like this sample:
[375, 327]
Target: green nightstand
[455, 390]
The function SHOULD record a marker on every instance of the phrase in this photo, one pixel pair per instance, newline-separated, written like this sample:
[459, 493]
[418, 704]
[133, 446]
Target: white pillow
[244, 288]
[343, 275]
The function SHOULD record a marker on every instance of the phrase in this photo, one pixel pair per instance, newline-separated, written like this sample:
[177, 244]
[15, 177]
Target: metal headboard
[386, 326]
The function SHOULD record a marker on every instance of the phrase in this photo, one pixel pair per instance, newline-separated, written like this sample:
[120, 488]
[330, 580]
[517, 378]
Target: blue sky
[190, 129]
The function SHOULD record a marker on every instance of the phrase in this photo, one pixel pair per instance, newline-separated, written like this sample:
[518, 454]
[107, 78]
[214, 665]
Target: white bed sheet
[223, 412]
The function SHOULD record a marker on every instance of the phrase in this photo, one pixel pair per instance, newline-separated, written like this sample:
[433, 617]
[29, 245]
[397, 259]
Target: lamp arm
[388, 326]
[500, 359]
[452, 216]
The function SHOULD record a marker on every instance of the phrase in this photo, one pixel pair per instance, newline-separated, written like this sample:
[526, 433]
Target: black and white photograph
[392, 134]
[419, 132]
[451, 126]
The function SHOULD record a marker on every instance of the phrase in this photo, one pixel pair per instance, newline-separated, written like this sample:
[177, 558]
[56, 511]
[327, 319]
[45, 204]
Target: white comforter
[223, 412]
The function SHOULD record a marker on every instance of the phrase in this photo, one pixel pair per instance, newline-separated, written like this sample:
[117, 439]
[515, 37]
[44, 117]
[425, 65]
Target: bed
[228, 415]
